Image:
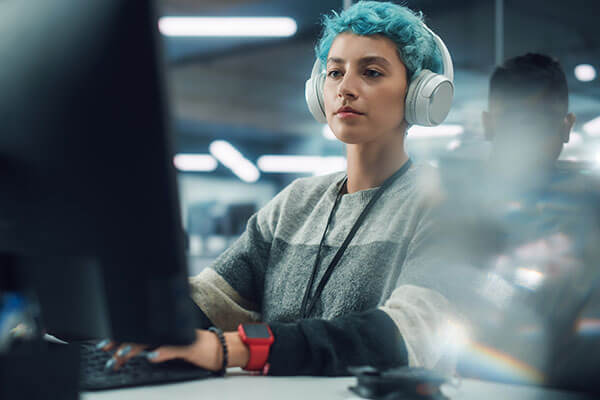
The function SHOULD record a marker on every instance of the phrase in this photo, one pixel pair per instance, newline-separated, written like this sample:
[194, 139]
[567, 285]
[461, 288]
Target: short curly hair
[416, 47]
[530, 81]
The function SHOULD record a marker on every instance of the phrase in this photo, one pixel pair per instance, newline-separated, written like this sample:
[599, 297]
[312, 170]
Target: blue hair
[416, 47]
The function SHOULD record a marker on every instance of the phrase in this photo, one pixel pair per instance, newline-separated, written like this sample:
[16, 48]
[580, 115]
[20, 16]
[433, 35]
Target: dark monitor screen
[88, 199]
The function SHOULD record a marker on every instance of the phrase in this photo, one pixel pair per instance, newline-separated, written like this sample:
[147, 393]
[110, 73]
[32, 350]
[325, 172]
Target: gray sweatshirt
[381, 298]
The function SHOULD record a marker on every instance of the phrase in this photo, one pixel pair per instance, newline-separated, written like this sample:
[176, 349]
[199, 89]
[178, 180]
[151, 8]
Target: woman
[371, 307]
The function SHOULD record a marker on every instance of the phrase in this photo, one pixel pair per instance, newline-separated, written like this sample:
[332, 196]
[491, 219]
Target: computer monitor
[88, 198]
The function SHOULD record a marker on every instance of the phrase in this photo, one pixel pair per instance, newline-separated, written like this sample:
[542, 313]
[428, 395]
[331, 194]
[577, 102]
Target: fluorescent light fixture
[230, 157]
[585, 72]
[227, 26]
[433, 132]
[592, 127]
[301, 164]
[328, 133]
[195, 162]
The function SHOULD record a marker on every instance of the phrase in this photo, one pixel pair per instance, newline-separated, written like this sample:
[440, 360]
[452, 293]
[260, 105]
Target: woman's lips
[348, 114]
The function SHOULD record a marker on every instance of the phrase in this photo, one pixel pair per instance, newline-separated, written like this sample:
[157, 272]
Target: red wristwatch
[258, 338]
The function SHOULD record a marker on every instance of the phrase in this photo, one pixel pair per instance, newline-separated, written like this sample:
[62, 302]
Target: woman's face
[365, 89]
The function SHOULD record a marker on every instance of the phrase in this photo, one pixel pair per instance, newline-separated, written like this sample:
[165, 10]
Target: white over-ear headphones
[428, 98]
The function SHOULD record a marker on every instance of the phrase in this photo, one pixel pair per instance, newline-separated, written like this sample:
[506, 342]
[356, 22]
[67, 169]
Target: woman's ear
[568, 123]
[488, 126]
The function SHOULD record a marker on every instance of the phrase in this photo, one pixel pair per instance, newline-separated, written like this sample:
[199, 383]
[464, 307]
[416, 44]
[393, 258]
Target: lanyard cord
[307, 308]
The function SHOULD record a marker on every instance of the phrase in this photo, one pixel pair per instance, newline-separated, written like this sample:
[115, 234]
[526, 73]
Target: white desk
[240, 386]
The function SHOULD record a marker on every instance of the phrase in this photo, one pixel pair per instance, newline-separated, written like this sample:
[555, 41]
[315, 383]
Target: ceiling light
[195, 162]
[585, 72]
[230, 157]
[230, 26]
[592, 127]
[440, 131]
[301, 164]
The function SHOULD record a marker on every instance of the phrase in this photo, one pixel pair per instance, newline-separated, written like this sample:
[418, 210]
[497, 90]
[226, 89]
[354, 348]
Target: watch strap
[259, 354]
[258, 349]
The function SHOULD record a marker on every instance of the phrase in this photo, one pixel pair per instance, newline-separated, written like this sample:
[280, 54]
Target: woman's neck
[370, 164]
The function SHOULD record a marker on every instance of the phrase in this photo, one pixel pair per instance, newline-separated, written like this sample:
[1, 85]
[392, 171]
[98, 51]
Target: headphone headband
[446, 57]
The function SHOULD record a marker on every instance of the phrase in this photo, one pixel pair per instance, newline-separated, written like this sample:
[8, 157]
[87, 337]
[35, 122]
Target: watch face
[256, 331]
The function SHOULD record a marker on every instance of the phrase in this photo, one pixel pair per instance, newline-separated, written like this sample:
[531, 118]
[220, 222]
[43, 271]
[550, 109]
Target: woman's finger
[124, 353]
[105, 345]
[167, 353]
[127, 352]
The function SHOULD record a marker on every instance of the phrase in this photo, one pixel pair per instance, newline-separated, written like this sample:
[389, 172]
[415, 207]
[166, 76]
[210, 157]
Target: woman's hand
[206, 352]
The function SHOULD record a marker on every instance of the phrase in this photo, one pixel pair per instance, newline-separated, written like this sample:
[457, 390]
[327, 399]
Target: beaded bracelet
[221, 338]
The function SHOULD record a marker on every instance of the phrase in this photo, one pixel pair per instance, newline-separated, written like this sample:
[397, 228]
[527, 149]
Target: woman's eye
[371, 73]
[333, 74]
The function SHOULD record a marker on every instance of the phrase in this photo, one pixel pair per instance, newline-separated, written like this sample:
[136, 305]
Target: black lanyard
[306, 308]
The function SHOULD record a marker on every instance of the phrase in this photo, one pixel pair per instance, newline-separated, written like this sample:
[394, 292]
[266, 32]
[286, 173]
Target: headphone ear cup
[428, 99]
[410, 105]
[313, 93]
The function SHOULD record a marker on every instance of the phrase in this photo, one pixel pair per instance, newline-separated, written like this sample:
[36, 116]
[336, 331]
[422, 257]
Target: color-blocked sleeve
[220, 302]
[422, 305]
[416, 326]
[229, 291]
[328, 347]
[428, 324]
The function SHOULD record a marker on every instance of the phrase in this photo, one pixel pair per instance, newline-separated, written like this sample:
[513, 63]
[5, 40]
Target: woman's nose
[347, 86]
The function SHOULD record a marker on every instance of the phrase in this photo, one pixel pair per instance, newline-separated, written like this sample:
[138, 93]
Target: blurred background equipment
[212, 227]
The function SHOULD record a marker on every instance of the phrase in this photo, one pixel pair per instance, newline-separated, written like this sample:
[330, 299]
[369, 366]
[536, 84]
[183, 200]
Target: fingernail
[152, 355]
[110, 364]
[124, 351]
[102, 344]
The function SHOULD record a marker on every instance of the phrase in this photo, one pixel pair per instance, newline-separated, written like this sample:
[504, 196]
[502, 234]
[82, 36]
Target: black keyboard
[136, 372]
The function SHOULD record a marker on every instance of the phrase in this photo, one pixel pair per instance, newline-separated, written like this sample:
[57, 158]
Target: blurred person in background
[551, 217]
[522, 226]
[528, 123]
[527, 120]
[373, 308]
